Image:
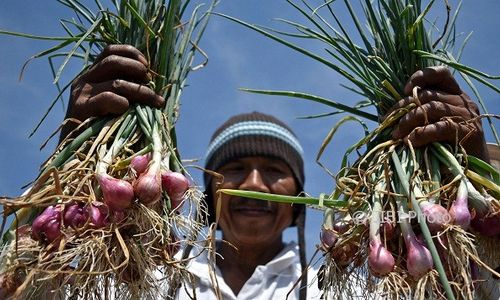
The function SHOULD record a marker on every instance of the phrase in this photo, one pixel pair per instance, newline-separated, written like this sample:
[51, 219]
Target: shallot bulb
[342, 226]
[175, 184]
[487, 226]
[345, 254]
[75, 215]
[53, 229]
[436, 216]
[147, 187]
[380, 260]
[328, 238]
[328, 235]
[140, 163]
[47, 226]
[98, 214]
[418, 258]
[118, 194]
[459, 210]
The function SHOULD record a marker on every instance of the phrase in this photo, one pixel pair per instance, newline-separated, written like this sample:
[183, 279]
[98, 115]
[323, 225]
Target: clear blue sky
[238, 58]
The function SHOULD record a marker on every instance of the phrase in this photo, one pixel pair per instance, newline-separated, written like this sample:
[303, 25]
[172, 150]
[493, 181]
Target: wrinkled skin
[442, 112]
[117, 78]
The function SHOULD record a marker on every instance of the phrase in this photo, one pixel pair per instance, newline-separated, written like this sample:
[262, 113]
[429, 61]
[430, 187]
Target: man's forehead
[257, 159]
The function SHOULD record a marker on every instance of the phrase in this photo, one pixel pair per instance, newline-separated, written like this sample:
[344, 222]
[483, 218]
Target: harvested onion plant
[402, 221]
[112, 205]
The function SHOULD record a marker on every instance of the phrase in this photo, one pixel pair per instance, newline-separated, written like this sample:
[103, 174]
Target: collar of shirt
[286, 258]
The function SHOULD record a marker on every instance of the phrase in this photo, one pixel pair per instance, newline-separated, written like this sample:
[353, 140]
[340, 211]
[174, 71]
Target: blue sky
[238, 58]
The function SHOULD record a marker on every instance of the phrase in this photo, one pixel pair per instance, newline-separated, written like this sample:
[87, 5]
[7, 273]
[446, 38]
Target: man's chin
[253, 213]
[252, 227]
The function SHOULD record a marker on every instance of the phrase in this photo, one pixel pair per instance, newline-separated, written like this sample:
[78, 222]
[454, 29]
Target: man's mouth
[251, 207]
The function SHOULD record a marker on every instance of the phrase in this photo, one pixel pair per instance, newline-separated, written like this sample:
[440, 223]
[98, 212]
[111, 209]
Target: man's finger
[137, 93]
[114, 67]
[106, 103]
[427, 114]
[427, 96]
[112, 97]
[443, 131]
[436, 78]
[133, 92]
[122, 50]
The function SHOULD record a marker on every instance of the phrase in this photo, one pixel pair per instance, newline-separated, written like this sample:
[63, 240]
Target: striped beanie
[253, 134]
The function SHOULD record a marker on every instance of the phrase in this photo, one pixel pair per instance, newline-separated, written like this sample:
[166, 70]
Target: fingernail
[160, 101]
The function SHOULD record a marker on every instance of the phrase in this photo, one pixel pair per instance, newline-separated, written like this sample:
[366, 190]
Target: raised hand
[444, 113]
[117, 78]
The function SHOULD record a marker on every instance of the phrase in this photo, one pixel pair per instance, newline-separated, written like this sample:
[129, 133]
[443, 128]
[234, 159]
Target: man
[254, 152]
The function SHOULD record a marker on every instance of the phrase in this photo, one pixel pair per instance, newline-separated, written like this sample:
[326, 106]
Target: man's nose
[254, 182]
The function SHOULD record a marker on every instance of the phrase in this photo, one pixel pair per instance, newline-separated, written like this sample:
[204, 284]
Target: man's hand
[444, 113]
[116, 79]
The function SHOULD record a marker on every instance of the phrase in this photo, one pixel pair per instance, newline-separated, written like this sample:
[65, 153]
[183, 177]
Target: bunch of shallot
[118, 195]
[414, 220]
[113, 204]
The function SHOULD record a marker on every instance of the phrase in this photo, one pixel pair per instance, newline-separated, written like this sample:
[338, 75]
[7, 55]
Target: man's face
[248, 221]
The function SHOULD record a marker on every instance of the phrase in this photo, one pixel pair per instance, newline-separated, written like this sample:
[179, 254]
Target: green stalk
[318, 99]
[375, 219]
[475, 198]
[68, 151]
[143, 121]
[124, 133]
[157, 147]
[483, 168]
[125, 121]
[435, 177]
[285, 199]
[403, 179]
[328, 217]
[483, 181]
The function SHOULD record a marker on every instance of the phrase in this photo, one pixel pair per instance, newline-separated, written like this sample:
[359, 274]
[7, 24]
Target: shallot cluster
[147, 187]
[46, 227]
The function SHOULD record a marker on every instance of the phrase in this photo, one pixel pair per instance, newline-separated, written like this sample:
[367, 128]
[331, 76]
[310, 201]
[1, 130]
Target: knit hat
[253, 134]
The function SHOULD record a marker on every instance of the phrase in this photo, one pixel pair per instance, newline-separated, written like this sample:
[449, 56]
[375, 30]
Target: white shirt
[489, 287]
[271, 281]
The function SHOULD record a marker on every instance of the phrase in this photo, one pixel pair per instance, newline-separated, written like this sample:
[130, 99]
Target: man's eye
[274, 170]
